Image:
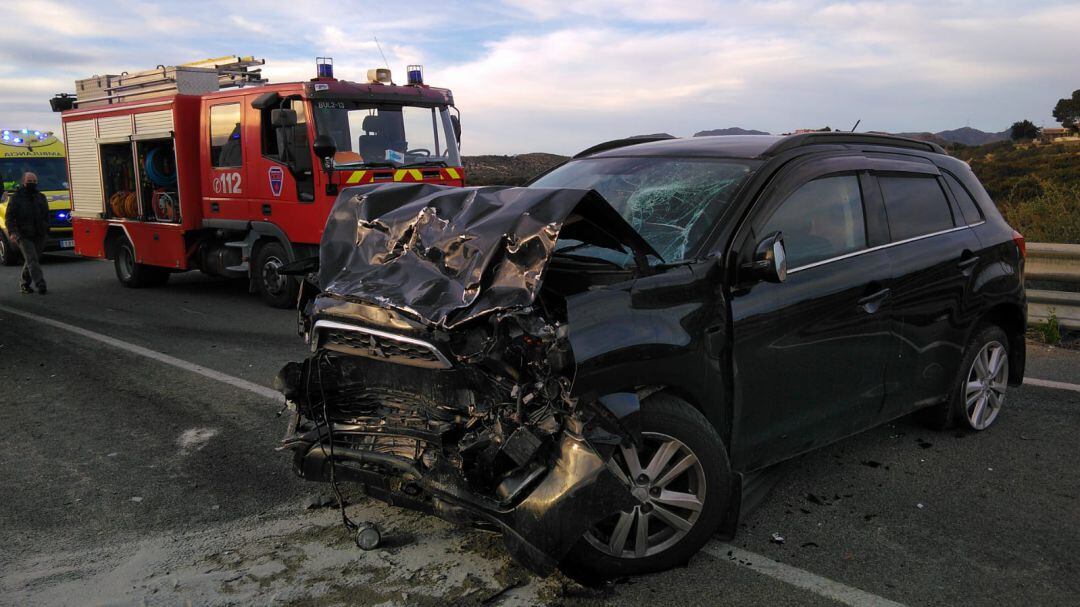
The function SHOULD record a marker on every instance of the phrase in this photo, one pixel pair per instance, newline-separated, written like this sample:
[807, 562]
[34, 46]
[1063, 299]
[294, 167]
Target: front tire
[276, 289]
[9, 253]
[682, 479]
[978, 394]
[134, 275]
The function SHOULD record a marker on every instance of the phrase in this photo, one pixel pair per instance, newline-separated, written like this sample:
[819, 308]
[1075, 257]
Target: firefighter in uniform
[28, 224]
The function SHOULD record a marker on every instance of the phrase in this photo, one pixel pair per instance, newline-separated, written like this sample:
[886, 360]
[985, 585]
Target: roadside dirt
[289, 557]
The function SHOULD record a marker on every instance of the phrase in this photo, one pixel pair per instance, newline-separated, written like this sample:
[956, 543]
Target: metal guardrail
[1054, 263]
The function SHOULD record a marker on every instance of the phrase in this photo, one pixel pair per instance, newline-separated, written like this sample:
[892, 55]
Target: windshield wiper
[378, 164]
[426, 163]
[586, 258]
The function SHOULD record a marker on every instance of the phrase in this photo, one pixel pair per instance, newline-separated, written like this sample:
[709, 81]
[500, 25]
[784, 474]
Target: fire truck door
[226, 188]
[281, 174]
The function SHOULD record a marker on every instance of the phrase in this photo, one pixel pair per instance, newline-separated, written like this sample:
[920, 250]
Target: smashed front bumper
[554, 506]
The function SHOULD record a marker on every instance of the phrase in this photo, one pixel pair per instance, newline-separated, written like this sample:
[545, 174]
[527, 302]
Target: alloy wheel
[670, 490]
[984, 390]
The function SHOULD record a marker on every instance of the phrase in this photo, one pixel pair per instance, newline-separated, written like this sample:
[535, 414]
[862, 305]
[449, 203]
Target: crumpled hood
[448, 255]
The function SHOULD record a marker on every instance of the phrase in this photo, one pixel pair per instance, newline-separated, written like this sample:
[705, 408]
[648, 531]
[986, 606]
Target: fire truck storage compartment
[118, 175]
[140, 180]
[158, 180]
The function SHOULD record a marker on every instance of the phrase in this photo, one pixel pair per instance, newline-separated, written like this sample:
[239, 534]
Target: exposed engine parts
[442, 372]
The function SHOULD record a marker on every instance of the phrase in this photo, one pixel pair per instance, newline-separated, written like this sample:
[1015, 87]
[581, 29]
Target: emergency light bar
[324, 67]
[21, 136]
[415, 74]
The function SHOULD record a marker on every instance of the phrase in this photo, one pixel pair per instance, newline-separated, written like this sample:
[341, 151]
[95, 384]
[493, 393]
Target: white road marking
[236, 382]
[798, 577]
[1046, 383]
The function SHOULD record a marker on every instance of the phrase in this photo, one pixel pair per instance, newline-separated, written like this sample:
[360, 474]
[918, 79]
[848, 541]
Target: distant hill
[729, 131]
[963, 136]
[652, 135]
[519, 169]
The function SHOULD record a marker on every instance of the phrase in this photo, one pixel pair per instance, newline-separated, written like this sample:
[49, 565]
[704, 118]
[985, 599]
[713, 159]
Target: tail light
[1018, 238]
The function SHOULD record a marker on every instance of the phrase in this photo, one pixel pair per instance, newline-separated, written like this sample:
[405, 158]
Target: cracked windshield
[387, 135]
[671, 202]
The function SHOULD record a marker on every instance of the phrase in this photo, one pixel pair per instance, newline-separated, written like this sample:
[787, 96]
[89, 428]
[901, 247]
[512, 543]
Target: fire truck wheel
[277, 290]
[9, 254]
[136, 275]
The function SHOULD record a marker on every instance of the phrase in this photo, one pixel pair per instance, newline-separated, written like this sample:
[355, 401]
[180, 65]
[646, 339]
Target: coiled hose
[159, 175]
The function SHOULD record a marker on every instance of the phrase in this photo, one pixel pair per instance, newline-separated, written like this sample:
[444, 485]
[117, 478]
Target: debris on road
[321, 500]
[777, 539]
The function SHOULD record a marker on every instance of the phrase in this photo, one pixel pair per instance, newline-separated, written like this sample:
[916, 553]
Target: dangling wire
[318, 360]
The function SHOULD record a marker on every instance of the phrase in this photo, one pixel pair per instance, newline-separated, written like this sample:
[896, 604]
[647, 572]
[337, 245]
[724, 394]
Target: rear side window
[225, 148]
[915, 205]
[964, 200]
[820, 220]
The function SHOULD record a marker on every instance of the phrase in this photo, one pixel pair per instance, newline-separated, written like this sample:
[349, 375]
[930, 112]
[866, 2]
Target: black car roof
[747, 146]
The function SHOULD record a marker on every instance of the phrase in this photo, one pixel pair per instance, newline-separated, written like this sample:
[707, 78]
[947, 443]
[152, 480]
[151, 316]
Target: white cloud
[546, 75]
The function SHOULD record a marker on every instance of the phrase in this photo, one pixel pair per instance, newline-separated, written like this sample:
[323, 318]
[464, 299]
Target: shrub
[1049, 330]
[1052, 216]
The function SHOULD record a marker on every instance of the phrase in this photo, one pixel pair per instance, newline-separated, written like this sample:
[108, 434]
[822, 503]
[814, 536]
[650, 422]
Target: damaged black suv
[598, 364]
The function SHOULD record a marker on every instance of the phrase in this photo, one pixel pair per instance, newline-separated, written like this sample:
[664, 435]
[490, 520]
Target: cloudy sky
[558, 76]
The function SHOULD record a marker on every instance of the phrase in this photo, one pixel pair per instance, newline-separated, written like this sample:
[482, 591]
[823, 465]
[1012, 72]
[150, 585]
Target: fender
[265, 228]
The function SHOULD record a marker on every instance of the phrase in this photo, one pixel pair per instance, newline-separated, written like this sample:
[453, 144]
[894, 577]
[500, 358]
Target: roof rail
[619, 143]
[802, 139]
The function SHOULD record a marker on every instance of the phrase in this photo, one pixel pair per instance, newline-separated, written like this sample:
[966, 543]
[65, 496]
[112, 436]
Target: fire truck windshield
[51, 172]
[382, 134]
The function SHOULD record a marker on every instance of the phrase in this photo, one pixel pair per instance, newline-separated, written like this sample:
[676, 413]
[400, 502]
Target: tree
[1067, 111]
[1025, 129]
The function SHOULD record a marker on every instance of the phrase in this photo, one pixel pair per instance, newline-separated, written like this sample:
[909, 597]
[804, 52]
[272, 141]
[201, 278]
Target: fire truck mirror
[324, 147]
[456, 123]
[283, 118]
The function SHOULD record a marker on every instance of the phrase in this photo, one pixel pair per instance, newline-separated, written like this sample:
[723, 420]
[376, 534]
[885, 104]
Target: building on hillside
[1052, 134]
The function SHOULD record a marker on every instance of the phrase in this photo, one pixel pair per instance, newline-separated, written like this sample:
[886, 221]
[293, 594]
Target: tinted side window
[821, 219]
[963, 198]
[225, 135]
[915, 206]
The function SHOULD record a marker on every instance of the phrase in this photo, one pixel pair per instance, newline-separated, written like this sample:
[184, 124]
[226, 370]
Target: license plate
[67, 244]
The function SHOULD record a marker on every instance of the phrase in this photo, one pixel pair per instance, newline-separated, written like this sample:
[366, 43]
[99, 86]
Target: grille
[374, 344]
[378, 347]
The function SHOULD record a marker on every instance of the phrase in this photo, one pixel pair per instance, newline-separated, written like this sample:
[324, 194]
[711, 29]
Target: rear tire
[275, 289]
[135, 275]
[614, 548]
[9, 253]
[978, 393]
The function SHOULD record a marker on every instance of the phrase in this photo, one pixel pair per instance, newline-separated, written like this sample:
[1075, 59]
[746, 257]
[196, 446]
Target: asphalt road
[126, 480]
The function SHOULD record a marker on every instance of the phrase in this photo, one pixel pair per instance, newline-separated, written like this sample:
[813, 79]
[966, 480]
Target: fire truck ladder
[196, 78]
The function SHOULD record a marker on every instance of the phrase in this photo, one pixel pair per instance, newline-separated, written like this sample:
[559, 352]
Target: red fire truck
[206, 166]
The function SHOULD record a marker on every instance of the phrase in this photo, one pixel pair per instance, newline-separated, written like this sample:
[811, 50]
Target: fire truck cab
[171, 172]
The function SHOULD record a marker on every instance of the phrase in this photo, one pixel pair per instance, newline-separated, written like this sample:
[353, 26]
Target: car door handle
[872, 303]
[967, 263]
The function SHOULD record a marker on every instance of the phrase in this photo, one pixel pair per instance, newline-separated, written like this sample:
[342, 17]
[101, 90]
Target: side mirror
[324, 147]
[770, 259]
[283, 117]
[455, 122]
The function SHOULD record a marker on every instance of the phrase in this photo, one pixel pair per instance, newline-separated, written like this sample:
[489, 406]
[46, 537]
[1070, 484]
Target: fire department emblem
[277, 177]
